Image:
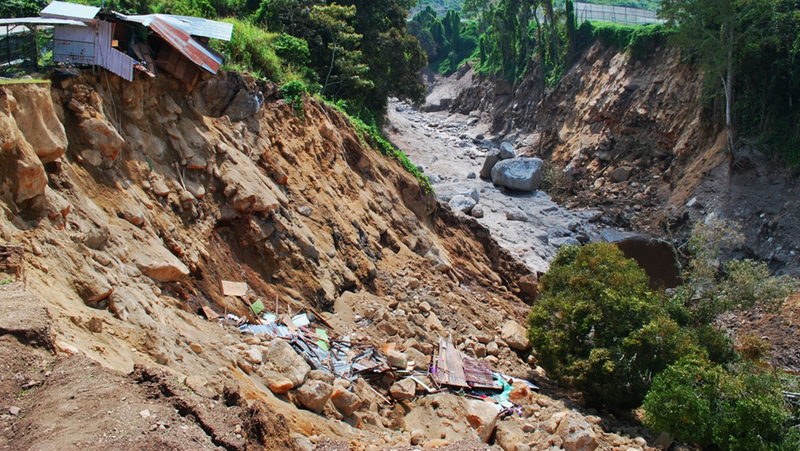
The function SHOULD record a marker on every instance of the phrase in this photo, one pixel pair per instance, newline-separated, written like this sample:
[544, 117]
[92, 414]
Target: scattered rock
[305, 211]
[492, 158]
[529, 285]
[55, 204]
[516, 215]
[576, 432]
[403, 389]
[253, 356]
[314, 394]
[620, 174]
[663, 441]
[477, 211]
[507, 151]
[482, 416]
[435, 443]
[522, 174]
[94, 287]
[417, 437]
[419, 359]
[346, 401]
[563, 241]
[283, 359]
[13, 410]
[276, 382]
[397, 359]
[506, 438]
[516, 336]
[321, 375]
[159, 264]
[462, 203]
[433, 323]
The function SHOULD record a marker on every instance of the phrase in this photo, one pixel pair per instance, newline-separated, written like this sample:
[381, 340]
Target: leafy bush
[701, 402]
[292, 50]
[293, 92]
[599, 327]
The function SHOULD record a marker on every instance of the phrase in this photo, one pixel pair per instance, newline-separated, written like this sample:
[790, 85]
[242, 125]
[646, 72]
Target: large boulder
[282, 358]
[515, 335]
[492, 157]
[314, 394]
[522, 174]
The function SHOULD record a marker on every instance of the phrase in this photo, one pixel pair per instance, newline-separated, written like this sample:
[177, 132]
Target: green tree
[21, 8]
[343, 42]
[702, 402]
[717, 31]
[598, 327]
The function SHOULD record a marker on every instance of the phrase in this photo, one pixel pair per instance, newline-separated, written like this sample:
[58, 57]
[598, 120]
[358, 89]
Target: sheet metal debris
[451, 369]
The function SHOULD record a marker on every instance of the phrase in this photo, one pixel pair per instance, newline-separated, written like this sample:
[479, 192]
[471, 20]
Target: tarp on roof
[195, 26]
[70, 10]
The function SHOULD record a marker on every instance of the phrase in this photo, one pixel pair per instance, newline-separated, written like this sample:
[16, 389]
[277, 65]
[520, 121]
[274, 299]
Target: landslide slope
[125, 204]
[633, 138]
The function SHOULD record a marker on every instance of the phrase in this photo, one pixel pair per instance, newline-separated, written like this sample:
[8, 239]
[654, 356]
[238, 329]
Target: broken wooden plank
[210, 314]
[233, 288]
[287, 321]
[449, 368]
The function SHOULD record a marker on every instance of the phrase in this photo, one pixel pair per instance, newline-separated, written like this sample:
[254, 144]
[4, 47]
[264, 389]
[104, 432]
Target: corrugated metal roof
[40, 21]
[198, 53]
[70, 10]
[203, 27]
[194, 26]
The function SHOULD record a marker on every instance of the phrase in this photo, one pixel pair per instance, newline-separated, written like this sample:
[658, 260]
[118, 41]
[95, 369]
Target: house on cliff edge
[177, 45]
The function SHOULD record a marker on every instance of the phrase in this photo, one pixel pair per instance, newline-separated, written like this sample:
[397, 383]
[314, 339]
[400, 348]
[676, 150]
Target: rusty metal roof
[196, 51]
[195, 26]
[70, 11]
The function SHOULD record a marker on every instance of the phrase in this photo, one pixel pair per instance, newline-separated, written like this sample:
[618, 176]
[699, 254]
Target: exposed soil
[118, 224]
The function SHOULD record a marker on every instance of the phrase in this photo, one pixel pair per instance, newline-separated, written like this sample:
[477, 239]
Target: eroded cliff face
[627, 133]
[130, 202]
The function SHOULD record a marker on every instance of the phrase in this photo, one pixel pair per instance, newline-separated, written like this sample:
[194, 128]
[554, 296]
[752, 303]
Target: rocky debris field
[142, 199]
[462, 165]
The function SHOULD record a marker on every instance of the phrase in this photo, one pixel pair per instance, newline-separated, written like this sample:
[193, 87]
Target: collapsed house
[176, 45]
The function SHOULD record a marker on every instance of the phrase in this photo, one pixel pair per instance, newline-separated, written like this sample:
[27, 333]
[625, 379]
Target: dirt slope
[125, 204]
